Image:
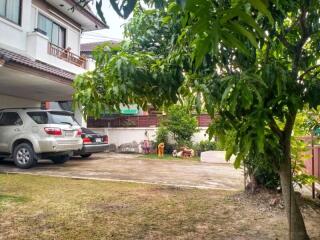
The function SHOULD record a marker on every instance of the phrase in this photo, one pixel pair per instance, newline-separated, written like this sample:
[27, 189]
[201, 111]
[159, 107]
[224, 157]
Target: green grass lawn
[34, 207]
[168, 157]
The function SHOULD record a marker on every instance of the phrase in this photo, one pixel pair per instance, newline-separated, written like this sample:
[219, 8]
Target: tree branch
[298, 47]
[285, 42]
[275, 128]
[308, 70]
[291, 117]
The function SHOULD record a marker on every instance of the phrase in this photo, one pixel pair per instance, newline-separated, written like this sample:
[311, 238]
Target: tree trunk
[297, 229]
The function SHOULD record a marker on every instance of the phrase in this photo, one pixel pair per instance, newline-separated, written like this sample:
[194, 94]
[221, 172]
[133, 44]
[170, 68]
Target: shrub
[181, 124]
[162, 135]
[207, 145]
[168, 148]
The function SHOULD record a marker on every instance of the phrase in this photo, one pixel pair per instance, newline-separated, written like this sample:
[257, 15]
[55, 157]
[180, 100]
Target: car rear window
[53, 117]
[63, 118]
[39, 117]
[88, 131]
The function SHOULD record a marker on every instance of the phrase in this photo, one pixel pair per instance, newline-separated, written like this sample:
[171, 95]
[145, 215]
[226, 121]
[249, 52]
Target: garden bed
[153, 156]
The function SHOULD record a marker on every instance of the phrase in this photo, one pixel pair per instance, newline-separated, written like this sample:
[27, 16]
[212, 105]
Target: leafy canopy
[253, 65]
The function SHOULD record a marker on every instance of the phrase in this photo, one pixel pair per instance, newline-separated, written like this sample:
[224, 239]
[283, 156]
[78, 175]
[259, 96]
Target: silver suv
[28, 134]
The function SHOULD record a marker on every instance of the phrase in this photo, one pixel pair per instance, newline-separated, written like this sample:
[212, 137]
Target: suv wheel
[60, 159]
[23, 156]
[86, 155]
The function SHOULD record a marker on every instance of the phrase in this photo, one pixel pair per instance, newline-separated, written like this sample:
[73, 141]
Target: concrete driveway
[132, 168]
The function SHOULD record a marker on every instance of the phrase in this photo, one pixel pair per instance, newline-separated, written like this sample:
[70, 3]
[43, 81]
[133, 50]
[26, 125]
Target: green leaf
[260, 138]
[230, 14]
[123, 7]
[226, 93]
[166, 19]
[251, 22]
[229, 152]
[239, 28]
[202, 47]
[233, 42]
[237, 161]
[214, 35]
[99, 11]
[198, 103]
[259, 5]
[246, 97]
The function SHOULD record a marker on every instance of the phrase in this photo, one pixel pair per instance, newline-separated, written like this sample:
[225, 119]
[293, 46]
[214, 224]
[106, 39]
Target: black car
[92, 143]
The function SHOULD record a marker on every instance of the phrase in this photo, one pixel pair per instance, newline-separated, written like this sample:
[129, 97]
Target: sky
[115, 23]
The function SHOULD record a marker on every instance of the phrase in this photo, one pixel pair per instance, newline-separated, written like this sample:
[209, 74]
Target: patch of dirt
[267, 200]
[262, 200]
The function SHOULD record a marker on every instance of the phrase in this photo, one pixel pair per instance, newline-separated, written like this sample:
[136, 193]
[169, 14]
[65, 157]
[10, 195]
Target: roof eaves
[89, 14]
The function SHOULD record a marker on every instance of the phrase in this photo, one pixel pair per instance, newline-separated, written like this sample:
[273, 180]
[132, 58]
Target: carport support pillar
[79, 117]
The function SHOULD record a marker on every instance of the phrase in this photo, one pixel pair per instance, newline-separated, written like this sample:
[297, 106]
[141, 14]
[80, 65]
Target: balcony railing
[66, 55]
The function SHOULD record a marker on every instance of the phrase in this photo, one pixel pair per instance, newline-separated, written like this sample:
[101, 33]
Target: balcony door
[55, 33]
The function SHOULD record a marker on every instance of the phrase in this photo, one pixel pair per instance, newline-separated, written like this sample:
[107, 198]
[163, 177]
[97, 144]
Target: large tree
[254, 64]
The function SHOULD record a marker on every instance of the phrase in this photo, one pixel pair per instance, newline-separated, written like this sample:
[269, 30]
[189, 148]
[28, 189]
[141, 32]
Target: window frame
[52, 23]
[20, 13]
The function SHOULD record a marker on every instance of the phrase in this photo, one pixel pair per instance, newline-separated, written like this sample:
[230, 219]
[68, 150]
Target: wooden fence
[138, 121]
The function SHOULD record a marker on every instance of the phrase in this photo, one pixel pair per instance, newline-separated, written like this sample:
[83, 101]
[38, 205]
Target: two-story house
[40, 50]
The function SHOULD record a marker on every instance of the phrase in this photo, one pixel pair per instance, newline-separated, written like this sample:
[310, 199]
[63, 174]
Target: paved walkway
[127, 167]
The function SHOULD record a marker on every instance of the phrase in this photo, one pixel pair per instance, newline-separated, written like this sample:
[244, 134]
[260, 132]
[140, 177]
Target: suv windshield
[53, 117]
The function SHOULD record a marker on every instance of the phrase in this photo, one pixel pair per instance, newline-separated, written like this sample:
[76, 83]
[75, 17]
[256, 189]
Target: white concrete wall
[12, 102]
[120, 136]
[13, 35]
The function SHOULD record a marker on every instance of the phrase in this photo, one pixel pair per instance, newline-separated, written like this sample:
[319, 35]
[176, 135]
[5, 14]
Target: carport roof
[9, 56]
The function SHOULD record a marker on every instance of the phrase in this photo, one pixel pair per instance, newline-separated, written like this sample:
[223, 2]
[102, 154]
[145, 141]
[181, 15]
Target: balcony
[39, 48]
[66, 55]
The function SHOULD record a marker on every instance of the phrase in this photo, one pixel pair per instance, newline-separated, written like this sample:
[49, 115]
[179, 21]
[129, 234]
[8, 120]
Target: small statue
[146, 147]
[160, 149]
[146, 143]
[183, 153]
[174, 153]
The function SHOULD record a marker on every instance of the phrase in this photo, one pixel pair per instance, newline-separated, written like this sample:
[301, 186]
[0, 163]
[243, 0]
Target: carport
[25, 82]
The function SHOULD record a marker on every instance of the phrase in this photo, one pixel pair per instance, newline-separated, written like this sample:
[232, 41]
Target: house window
[55, 33]
[11, 10]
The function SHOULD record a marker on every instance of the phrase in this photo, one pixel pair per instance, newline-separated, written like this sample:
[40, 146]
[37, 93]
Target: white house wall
[120, 136]
[14, 36]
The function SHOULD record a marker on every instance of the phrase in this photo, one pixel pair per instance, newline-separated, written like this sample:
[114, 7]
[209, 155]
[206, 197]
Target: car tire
[60, 159]
[23, 156]
[86, 155]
